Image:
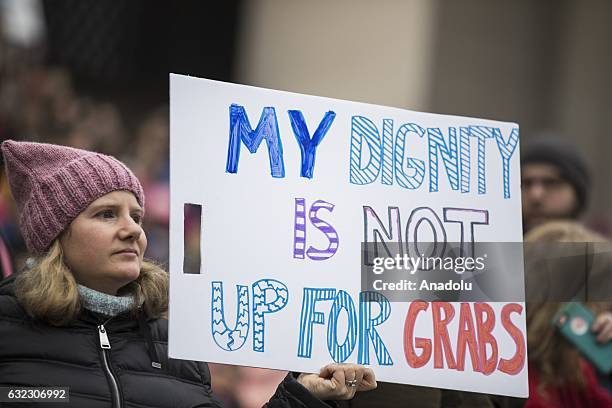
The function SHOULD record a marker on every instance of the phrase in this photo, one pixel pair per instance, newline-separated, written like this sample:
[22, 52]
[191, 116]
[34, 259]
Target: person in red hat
[88, 312]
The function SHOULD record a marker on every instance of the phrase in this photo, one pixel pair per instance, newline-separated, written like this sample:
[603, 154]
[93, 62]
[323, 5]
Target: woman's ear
[64, 235]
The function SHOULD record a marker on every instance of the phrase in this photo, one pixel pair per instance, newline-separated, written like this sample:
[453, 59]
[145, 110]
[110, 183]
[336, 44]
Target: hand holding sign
[339, 381]
[603, 327]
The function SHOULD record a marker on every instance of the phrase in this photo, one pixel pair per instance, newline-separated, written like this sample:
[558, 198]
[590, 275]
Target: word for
[358, 333]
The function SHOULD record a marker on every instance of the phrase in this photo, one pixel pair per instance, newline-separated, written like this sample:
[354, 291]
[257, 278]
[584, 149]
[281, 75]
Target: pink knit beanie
[53, 184]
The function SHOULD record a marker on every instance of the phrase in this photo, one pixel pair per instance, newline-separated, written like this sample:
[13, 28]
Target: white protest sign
[283, 185]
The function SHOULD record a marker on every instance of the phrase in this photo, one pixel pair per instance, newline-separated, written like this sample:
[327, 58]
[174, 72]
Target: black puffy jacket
[36, 354]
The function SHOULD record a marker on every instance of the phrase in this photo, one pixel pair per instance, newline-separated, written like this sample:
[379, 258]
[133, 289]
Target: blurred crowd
[41, 103]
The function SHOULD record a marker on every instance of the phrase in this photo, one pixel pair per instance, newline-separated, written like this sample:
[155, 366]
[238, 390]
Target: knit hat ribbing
[53, 184]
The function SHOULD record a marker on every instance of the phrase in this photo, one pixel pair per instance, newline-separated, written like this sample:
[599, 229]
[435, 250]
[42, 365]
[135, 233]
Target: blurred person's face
[546, 196]
[104, 246]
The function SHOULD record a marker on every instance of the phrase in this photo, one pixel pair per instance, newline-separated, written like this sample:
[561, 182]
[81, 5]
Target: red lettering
[514, 365]
[441, 339]
[414, 360]
[465, 338]
[474, 334]
[484, 329]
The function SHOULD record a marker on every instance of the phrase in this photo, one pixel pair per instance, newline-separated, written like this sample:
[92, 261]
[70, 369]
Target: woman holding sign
[87, 313]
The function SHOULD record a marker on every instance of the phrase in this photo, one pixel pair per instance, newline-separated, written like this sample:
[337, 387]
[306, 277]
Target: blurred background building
[94, 74]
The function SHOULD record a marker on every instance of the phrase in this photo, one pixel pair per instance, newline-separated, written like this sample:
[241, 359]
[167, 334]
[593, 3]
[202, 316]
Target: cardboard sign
[280, 190]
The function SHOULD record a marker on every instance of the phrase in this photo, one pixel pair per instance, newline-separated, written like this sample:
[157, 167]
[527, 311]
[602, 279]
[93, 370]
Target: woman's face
[105, 244]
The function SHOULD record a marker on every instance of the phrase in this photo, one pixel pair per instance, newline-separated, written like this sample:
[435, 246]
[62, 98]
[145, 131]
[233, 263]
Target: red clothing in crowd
[592, 396]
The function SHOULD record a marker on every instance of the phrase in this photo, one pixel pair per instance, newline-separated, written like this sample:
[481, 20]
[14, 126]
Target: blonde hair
[48, 290]
[556, 361]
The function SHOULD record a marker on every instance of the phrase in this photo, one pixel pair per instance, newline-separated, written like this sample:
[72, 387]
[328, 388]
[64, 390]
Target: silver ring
[351, 383]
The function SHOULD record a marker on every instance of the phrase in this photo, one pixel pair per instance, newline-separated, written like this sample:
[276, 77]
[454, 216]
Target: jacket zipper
[104, 347]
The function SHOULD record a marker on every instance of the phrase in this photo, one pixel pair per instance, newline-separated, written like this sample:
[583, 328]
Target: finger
[320, 387]
[369, 380]
[352, 380]
[337, 374]
[342, 390]
[605, 335]
[329, 370]
[349, 371]
[368, 375]
[358, 380]
[339, 378]
[332, 379]
[326, 371]
[359, 373]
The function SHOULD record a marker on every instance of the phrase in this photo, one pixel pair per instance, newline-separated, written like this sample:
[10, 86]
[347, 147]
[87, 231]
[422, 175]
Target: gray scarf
[104, 303]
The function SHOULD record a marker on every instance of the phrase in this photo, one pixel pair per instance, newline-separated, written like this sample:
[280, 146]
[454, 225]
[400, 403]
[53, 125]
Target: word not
[267, 129]
[386, 155]
[475, 334]
[299, 231]
[421, 217]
